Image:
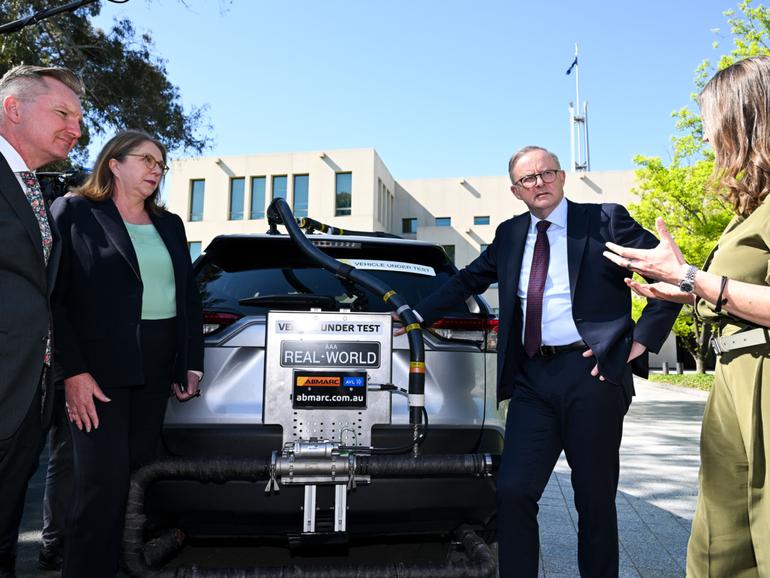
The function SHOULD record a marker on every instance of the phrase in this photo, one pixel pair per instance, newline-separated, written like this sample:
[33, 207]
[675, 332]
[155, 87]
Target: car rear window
[274, 271]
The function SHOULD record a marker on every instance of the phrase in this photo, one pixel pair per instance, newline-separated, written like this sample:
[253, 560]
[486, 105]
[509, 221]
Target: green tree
[126, 83]
[680, 191]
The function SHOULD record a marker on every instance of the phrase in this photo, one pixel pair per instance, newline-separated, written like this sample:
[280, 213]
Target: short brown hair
[100, 184]
[26, 81]
[735, 106]
[528, 149]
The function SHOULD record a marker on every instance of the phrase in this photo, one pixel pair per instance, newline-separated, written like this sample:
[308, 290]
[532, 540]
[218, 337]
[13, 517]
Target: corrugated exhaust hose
[140, 556]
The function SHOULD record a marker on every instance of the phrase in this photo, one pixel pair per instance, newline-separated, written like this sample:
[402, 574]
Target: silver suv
[242, 278]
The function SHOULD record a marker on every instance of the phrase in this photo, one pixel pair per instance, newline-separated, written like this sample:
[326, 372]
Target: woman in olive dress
[731, 529]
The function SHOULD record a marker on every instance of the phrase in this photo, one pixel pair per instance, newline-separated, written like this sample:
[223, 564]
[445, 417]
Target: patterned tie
[537, 275]
[35, 198]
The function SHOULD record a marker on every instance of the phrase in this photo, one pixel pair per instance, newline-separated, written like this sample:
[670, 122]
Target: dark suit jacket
[98, 299]
[601, 302]
[25, 311]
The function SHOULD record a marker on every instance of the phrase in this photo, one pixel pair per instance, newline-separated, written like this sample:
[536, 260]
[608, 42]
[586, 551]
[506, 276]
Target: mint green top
[156, 270]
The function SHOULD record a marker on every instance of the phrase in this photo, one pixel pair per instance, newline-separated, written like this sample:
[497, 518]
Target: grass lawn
[694, 380]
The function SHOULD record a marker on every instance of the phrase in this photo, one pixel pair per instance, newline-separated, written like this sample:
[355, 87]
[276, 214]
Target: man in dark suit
[40, 118]
[566, 347]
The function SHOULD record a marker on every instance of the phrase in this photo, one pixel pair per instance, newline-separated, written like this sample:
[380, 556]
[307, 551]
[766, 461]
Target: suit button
[42, 339]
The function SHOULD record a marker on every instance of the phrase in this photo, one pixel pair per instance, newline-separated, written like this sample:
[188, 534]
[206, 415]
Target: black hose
[279, 212]
[140, 556]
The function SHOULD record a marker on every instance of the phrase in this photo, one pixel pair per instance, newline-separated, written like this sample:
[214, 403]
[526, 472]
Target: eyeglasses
[150, 161]
[529, 181]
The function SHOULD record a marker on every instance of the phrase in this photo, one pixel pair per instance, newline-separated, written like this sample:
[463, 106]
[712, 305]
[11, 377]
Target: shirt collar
[558, 216]
[12, 157]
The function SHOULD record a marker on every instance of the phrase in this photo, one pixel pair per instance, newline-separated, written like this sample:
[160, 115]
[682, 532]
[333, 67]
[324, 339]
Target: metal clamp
[272, 483]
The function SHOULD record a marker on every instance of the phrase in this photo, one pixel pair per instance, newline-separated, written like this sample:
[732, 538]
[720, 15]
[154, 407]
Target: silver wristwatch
[687, 285]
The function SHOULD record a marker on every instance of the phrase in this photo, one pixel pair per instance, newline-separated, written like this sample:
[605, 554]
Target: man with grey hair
[40, 117]
[566, 349]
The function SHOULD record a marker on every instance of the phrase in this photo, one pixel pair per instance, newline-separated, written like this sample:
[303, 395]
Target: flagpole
[578, 124]
[577, 108]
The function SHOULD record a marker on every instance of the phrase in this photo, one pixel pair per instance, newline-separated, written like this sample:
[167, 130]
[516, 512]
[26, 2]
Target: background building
[353, 189]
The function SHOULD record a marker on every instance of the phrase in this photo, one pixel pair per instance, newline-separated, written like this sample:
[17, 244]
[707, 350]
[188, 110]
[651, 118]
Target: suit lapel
[519, 230]
[578, 221]
[14, 194]
[106, 213]
[53, 259]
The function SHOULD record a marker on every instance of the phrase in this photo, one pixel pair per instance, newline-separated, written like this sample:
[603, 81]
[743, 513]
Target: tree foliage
[680, 191]
[126, 82]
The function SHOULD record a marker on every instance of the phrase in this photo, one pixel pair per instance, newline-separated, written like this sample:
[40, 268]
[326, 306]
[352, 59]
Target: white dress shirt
[558, 324]
[14, 160]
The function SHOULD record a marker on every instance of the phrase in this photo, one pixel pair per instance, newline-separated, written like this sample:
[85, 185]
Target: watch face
[686, 286]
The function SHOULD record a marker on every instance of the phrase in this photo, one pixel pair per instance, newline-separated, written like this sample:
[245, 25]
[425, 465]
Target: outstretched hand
[660, 290]
[663, 263]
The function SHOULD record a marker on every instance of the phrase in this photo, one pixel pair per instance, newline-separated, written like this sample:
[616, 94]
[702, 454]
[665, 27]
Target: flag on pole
[571, 66]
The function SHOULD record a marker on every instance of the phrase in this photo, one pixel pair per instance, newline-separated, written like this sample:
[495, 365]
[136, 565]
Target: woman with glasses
[731, 528]
[128, 333]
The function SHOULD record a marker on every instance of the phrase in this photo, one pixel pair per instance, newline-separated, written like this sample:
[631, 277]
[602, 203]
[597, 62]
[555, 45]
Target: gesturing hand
[663, 263]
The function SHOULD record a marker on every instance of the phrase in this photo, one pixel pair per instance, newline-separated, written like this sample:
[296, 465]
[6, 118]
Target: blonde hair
[100, 184]
[735, 106]
[26, 82]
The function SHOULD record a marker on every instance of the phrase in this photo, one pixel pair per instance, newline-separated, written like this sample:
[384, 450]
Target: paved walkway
[656, 498]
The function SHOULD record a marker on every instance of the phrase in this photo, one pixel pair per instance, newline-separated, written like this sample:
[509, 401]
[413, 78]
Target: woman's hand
[663, 263]
[192, 387]
[80, 391]
[661, 290]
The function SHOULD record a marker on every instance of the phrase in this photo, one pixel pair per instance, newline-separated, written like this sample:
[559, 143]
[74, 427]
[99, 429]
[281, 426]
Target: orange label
[320, 381]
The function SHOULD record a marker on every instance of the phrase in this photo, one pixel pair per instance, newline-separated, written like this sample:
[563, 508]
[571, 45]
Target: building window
[481, 220]
[197, 190]
[343, 193]
[450, 252]
[300, 195]
[195, 249]
[237, 191]
[279, 186]
[257, 198]
[409, 225]
[443, 221]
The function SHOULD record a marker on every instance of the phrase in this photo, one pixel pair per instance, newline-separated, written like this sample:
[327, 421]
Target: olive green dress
[731, 530]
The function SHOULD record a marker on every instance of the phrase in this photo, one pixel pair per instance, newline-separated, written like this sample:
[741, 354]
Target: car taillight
[216, 320]
[480, 330]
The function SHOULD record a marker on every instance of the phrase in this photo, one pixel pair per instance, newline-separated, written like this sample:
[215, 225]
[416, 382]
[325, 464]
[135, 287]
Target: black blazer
[601, 302]
[25, 310]
[97, 304]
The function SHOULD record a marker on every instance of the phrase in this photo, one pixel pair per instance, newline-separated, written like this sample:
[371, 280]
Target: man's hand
[80, 391]
[637, 349]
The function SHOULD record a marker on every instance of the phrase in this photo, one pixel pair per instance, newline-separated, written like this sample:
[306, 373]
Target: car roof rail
[311, 226]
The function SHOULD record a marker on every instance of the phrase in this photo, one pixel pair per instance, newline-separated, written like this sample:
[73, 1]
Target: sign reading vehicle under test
[330, 354]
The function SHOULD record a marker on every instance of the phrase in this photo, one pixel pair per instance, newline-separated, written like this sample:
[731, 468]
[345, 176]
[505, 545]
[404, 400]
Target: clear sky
[440, 88]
